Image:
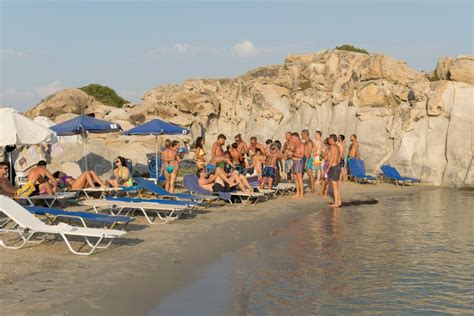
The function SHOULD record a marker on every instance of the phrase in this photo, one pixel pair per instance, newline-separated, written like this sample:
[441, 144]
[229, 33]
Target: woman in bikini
[122, 176]
[200, 154]
[88, 179]
[170, 164]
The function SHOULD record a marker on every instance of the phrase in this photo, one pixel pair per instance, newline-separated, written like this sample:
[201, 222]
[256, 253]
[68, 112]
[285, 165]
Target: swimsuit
[297, 166]
[125, 182]
[288, 165]
[211, 168]
[269, 172]
[26, 190]
[334, 173]
[317, 163]
[169, 169]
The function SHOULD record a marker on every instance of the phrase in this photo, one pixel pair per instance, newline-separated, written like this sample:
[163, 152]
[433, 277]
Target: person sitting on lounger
[220, 182]
[122, 176]
[42, 179]
[88, 179]
[6, 188]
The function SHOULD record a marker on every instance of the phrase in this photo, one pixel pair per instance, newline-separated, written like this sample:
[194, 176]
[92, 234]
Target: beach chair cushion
[190, 182]
[153, 188]
[158, 201]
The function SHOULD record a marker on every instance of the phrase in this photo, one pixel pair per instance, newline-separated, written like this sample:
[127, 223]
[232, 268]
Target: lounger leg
[93, 246]
[23, 243]
[146, 216]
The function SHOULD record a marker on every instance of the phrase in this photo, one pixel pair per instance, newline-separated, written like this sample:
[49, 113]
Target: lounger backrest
[395, 172]
[390, 172]
[190, 182]
[149, 186]
[362, 167]
[19, 214]
[355, 168]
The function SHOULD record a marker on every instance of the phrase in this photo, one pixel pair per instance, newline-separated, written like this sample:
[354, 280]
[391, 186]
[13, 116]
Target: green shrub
[433, 77]
[105, 95]
[351, 48]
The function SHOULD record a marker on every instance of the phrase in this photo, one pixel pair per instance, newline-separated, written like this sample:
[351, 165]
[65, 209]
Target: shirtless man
[254, 145]
[341, 143]
[236, 156]
[270, 170]
[308, 157]
[241, 145]
[298, 165]
[42, 179]
[6, 188]
[288, 152]
[317, 160]
[220, 182]
[217, 146]
[354, 147]
[333, 169]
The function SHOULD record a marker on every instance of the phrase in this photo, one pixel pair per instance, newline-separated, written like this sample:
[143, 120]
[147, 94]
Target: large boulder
[460, 68]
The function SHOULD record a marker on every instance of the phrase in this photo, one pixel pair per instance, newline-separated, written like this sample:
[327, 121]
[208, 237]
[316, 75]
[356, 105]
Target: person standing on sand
[237, 158]
[308, 158]
[242, 146]
[341, 143]
[170, 164]
[318, 160]
[288, 152]
[324, 174]
[200, 154]
[334, 169]
[217, 150]
[297, 168]
[270, 169]
[254, 145]
[354, 148]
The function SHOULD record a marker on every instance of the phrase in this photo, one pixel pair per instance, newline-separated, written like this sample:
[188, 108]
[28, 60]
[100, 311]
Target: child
[257, 163]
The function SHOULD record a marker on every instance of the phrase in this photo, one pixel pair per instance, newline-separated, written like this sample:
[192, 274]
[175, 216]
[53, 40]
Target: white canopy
[46, 122]
[16, 129]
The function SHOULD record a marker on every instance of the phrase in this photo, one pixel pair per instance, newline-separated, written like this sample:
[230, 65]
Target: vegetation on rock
[105, 95]
[351, 48]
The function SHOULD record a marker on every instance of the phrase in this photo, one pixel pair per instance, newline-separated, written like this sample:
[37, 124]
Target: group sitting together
[42, 181]
[324, 162]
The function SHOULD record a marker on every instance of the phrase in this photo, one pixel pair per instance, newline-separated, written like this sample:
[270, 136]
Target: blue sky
[133, 46]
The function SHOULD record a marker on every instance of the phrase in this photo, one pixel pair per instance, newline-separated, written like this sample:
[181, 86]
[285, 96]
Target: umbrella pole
[10, 165]
[84, 138]
[156, 158]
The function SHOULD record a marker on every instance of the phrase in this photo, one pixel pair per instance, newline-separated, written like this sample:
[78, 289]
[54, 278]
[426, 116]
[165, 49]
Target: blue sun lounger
[392, 174]
[153, 188]
[54, 214]
[159, 201]
[357, 169]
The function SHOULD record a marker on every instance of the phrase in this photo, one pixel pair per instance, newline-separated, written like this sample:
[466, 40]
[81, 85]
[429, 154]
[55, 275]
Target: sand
[152, 261]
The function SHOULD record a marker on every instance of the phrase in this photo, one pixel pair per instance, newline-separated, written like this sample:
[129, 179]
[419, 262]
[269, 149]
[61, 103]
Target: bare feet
[333, 205]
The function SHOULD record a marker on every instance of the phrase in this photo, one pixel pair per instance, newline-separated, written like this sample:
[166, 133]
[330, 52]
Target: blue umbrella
[157, 127]
[82, 125]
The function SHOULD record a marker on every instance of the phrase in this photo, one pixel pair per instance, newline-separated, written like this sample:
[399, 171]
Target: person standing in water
[341, 143]
[334, 169]
[308, 158]
[298, 165]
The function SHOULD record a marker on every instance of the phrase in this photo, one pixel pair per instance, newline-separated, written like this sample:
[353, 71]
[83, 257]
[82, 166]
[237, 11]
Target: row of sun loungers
[391, 174]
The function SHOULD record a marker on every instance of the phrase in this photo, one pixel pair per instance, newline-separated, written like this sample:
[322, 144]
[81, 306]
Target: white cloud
[49, 88]
[245, 49]
[17, 98]
[10, 52]
[183, 48]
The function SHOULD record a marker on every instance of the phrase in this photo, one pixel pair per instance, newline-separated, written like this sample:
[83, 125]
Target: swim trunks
[211, 168]
[310, 164]
[220, 165]
[334, 173]
[288, 165]
[26, 190]
[342, 163]
[304, 163]
[297, 167]
[239, 168]
[269, 172]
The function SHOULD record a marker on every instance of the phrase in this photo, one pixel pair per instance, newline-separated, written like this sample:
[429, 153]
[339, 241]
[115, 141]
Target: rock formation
[423, 128]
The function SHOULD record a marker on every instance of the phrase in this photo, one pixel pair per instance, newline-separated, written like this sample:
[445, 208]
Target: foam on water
[404, 255]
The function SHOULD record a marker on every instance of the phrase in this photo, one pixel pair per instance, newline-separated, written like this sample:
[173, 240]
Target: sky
[133, 46]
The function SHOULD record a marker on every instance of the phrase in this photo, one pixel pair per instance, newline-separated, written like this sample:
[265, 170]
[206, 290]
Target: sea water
[409, 254]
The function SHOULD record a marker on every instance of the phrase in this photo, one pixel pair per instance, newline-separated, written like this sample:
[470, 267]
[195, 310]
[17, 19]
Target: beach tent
[83, 125]
[157, 127]
[16, 129]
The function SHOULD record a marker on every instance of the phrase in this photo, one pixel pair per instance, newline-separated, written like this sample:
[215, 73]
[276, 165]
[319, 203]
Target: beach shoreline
[151, 262]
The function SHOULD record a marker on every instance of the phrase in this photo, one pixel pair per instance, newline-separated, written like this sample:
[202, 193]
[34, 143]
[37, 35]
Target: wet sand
[132, 277]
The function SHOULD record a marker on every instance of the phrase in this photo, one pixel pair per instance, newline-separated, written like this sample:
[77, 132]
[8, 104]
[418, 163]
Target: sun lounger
[164, 212]
[357, 169]
[61, 198]
[101, 192]
[392, 174]
[155, 189]
[190, 182]
[26, 225]
[53, 215]
[159, 201]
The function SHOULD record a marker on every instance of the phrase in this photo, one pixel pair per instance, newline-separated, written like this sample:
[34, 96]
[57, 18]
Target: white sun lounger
[20, 221]
[164, 212]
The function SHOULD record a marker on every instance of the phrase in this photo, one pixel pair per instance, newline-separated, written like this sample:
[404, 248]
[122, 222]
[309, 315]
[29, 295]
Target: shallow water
[412, 254]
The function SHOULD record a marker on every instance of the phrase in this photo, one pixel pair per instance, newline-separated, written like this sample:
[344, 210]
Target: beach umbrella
[83, 125]
[157, 127]
[16, 129]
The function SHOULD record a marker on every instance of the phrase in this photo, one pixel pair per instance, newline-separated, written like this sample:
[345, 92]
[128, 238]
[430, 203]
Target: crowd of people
[322, 160]
[224, 169]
